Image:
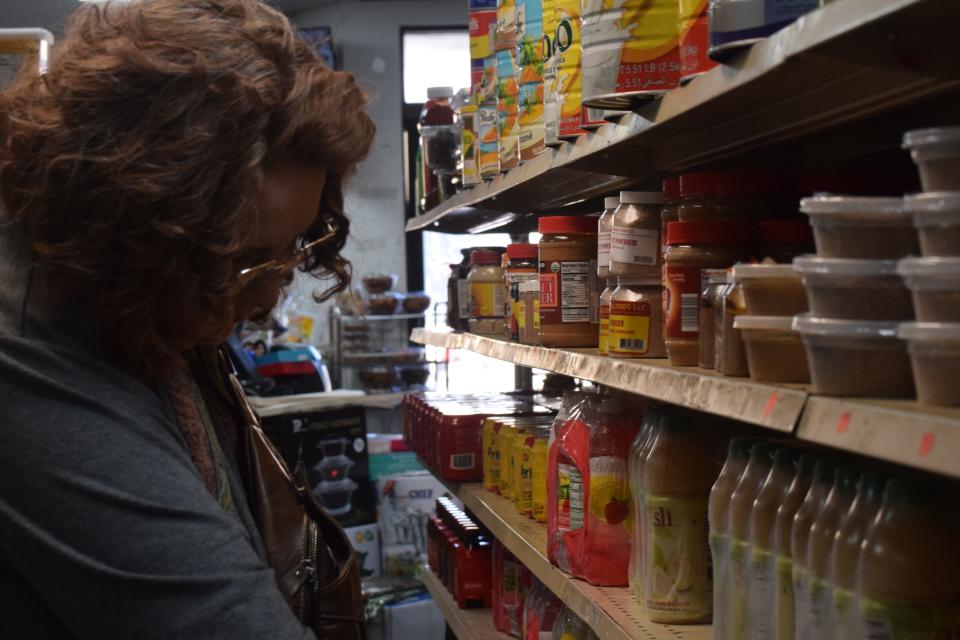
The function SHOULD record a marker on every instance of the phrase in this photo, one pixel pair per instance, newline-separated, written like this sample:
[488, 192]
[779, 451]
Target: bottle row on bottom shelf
[766, 538]
[479, 572]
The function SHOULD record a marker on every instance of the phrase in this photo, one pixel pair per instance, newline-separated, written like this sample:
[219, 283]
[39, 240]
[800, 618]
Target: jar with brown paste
[604, 228]
[692, 247]
[569, 291]
[635, 237]
[698, 195]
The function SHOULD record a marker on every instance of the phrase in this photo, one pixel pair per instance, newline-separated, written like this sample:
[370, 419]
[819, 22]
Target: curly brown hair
[135, 159]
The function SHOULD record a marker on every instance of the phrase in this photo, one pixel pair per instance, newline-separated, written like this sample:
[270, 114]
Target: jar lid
[567, 224]
[434, 93]
[641, 197]
[708, 232]
[931, 273]
[785, 232]
[814, 326]
[828, 204]
[738, 183]
[933, 136]
[770, 323]
[671, 188]
[482, 258]
[933, 209]
[611, 202]
[743, 272]
[639, 281]
[814, 265]
[697, 184]
[521, 250]
[932, 331]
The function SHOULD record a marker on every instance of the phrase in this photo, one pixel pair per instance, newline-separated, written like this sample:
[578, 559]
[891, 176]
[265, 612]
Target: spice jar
[486, 293]
[697, 197]
[528, 312]
[521, 266]
[635, 237]
[463, 287]
[604, 341]
[711, 308]
[784, 240]
[604, 227]
[670, 211]
[692, 247]
[569, 296]
[636, 319]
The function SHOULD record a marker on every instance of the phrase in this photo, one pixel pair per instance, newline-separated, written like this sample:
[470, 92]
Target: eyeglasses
[285, 265]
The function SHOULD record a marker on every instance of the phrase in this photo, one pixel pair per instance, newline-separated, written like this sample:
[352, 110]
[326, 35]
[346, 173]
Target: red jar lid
[567, 224]
[484, 258]
[745, 183]
[521, 250]
[671, 188]
[697, 184]
[709, 232]
[785, 232]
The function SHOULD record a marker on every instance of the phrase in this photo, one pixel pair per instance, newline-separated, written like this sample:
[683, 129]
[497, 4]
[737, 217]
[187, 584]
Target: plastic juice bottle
[823, 475]
[539, 479]
[513, 452]
[519, 445]
[761, 587]
[846, 550]
[677, 476]
[908, 574]
[738, 456]
[638, 454]
[783, 611]
[820, 545]
[491, 455]
[508, 429]
[741, 509]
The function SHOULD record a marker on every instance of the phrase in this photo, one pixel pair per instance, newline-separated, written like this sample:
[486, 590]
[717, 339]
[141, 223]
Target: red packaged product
[568, 476]
[540, 611]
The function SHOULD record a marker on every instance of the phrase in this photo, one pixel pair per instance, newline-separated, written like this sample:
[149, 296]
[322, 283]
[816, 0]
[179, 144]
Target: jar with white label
[612, 284]
[487, 299]
[569, 287]
[604, 227]
[636, 319]
[635, 236]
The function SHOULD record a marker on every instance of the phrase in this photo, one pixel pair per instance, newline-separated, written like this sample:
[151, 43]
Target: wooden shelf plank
[611, 612]
[467, 624]
[771, 406]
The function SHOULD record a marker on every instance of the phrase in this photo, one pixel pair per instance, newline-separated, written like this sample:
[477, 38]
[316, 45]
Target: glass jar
[486, 293]
[748, 195]
[604, 342]
[604, 227]
[698, 195]
[730, 352]
[635, 236]
[463, 287]
[569, 291]
[453, 294]
[670, 212]
[692, 247]
[528, 312]
[636, 319]
[784, 240]
[711, 307]
[521, 267]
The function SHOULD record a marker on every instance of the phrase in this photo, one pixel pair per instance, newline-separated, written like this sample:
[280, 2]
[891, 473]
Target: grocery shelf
[467, 624]
[899, 431]
[771, 406]
[841, 83]
[611, 612]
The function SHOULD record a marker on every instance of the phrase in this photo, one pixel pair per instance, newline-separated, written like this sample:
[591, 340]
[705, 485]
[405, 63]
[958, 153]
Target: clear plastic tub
[855, 357]
[854, 289]
[771, 289]
[775, 351]
[935, 286]
[937, 155]
[935, 355]
[936, 217]
[860, 227]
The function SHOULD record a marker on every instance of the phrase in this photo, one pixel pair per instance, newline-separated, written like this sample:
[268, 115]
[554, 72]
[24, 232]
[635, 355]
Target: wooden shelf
[467, 624]
[611, 612]
[774, 407]
[840, 84]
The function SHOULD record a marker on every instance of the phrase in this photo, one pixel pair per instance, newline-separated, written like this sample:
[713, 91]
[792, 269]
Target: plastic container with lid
[692, 247]
[636, 319]
[861, 227]
[784, 240]
[853, 289]
[855, 357]
[698, 193]
[937, 155]
[775, 352]
[486, 293]
[936, 217]
[569, 292]
[935, 356]
[521, 267]
[604, 228]
[934, 284]
[635, 235]
[604, 342]
[771, 289]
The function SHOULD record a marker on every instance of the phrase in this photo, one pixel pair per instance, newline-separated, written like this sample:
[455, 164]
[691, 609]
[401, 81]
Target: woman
[160, 183]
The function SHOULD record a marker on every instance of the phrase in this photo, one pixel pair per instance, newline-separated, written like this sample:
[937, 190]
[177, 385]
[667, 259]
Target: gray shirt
[106, 529]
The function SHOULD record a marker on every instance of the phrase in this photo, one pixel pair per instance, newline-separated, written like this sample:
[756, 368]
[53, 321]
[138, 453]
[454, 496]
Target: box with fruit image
[333, 448]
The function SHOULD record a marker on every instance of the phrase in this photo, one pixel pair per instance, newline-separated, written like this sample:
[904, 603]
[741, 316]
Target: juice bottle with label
[761, 585]
[741, 509]
[539, 470]
[823, 475]
[846, 551]
[639, 451]
[491, 454]
[783, 610]
[508, 430]
[677, 476]
[822, 533]
[908, 574]
[738, 456]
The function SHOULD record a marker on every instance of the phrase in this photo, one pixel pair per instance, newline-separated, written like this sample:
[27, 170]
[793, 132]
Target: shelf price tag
[843, 422]
[771, 403]
[927, 441]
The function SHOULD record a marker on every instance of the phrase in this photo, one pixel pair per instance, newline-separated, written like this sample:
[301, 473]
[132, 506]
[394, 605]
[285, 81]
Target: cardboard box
[417, 618]
[366, 542]
[407, 500]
